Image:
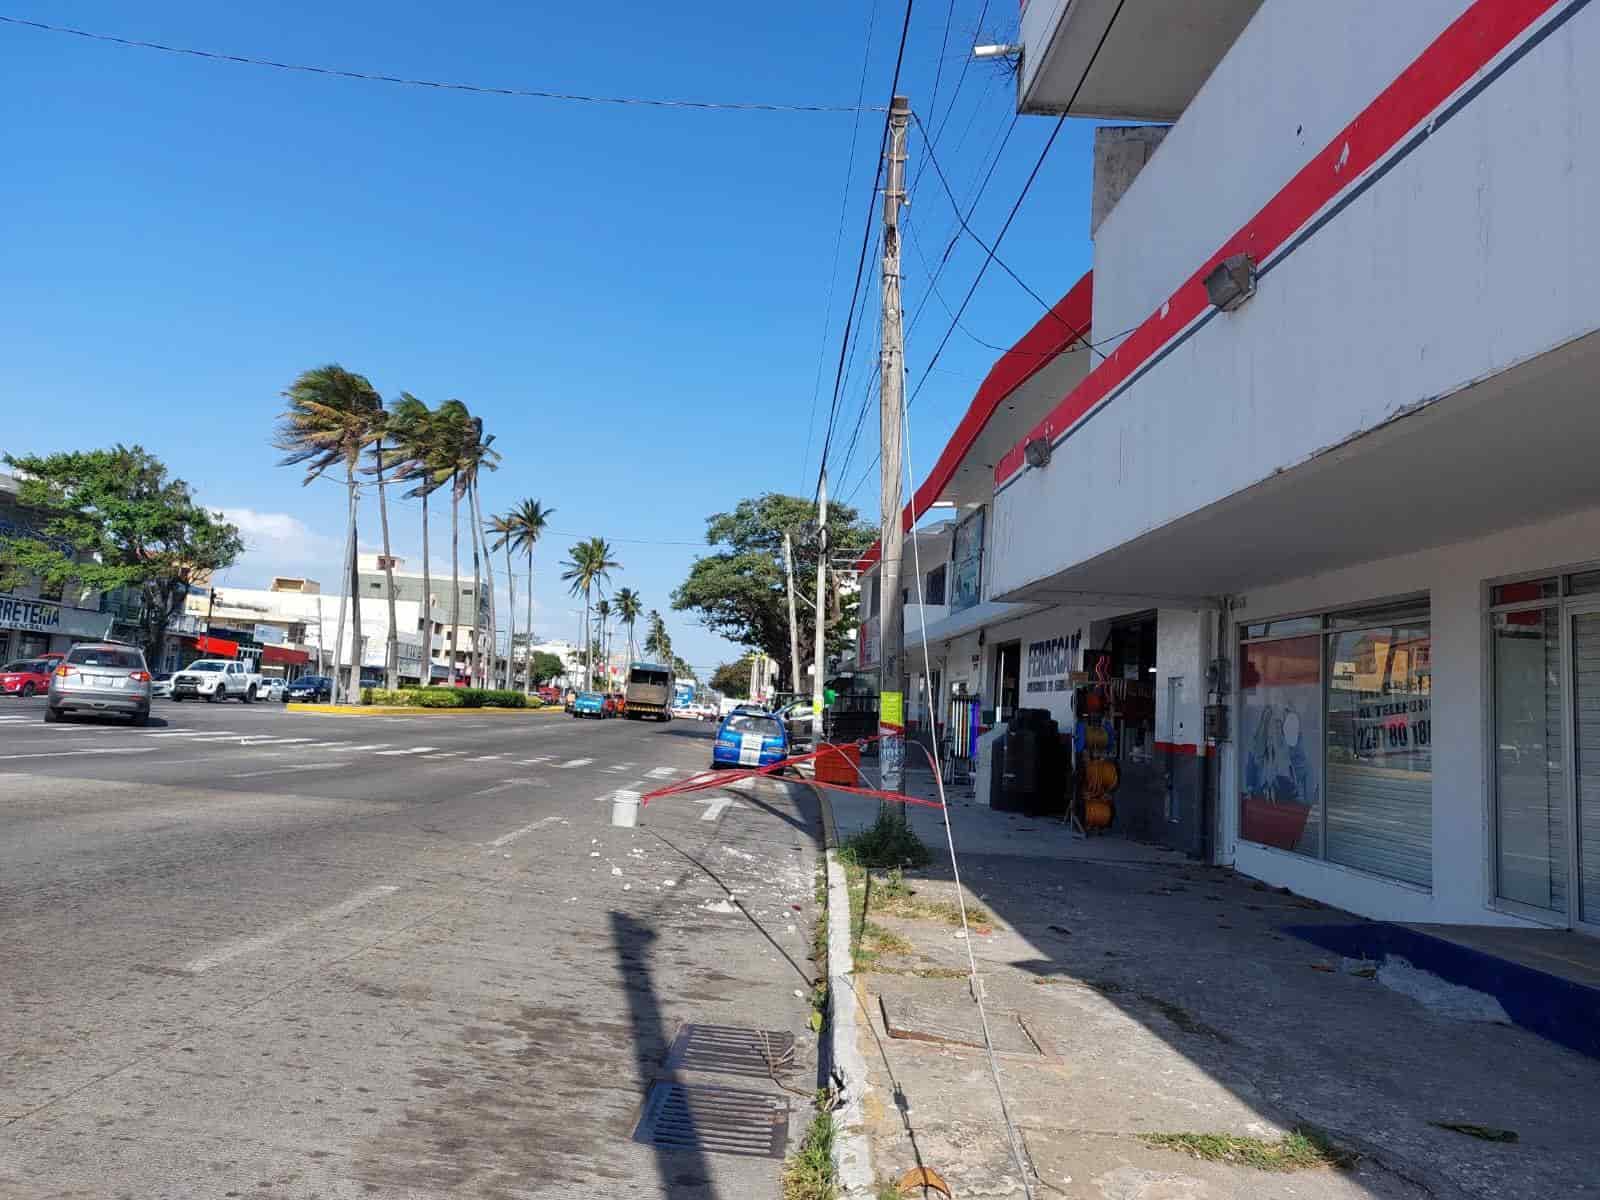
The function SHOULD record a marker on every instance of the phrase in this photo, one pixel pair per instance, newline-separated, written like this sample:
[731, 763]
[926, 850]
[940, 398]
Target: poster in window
[1280, 728]
[966, 584]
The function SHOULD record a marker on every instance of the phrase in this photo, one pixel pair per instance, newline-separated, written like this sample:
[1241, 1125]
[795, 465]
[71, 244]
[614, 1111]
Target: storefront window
[1380, 761]
[1530, 775]
[1280, 732]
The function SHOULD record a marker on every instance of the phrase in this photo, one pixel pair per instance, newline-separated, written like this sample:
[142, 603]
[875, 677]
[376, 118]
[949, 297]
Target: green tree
[415, 455]
[732, 679]
[545, 666]
[113, 519]
[475, 456]
[451, 421]
[682, 670]
[629, 609]
[332, 416]
[528, 521]
[590, 564]
[657, 643]
[739, 592]
[602, 618]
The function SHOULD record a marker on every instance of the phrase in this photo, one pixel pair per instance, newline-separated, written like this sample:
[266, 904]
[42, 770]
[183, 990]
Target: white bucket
[625, 809]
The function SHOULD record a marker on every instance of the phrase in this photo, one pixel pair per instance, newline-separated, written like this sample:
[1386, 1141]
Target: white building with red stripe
[1325, 490]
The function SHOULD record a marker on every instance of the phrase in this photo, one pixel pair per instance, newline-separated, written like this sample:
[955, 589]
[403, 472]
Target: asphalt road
[249, 952]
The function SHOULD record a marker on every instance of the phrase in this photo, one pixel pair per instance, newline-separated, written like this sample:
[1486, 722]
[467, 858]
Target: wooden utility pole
[891, 621]
[819, 652]
[794, 630]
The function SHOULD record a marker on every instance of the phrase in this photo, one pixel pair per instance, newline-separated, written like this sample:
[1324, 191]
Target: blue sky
[632, 298]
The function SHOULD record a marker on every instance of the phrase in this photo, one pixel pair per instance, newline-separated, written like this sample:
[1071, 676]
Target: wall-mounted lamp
[997, 50]
[1232, 281]
[1037, 452]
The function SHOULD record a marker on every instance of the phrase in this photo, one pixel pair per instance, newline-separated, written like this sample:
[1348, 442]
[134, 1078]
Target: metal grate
[731, 1051]
[714, 1120]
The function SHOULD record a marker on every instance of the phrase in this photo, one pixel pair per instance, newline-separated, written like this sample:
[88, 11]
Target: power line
[838, 237]
[866, 235]
[480, 89]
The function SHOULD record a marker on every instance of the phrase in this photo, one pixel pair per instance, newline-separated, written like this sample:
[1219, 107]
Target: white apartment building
[1319, 510]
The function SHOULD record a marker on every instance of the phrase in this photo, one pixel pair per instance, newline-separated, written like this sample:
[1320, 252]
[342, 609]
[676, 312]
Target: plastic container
[625, 809]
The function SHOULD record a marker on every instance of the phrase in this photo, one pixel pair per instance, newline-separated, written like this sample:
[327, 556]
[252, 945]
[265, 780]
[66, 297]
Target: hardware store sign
[42, 616]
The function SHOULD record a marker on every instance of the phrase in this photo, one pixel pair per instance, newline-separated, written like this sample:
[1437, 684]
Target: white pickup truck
[216, 679]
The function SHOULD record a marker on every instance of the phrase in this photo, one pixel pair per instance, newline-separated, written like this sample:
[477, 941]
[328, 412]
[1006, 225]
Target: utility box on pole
[891, 693]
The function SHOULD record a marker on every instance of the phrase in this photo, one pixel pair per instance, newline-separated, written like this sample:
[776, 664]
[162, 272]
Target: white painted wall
[1440, 275]
[1181, 656]
[1454, 577]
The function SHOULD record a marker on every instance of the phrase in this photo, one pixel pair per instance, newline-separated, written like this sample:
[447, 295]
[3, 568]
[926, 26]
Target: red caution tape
[717, 779]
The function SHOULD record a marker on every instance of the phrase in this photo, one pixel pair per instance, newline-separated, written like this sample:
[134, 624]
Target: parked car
[618, 704]
[590, 704]
[100, 677]
[550, 695]
[161, 685]
[271, 689]
[749, 739]
[214, 680]
[309, 689]
[25, 677]
[797, 723]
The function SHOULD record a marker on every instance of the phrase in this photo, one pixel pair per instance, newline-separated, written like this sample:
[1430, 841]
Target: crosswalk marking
[370, 746]
[194, 733]
[537, 759]
[408, 750]
[272, 741]
[486, 758]
[576, 762]
[662, 772]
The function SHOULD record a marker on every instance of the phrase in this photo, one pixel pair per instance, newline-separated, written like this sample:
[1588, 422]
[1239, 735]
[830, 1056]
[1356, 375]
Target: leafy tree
[590, 564]
[733, 679]
[739, 590]
[134, 527]
[333, 415]
[545, 666]
[682, 670]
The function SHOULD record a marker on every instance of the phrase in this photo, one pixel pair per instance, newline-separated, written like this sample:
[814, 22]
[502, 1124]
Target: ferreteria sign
[45, 616]
[1050, 663]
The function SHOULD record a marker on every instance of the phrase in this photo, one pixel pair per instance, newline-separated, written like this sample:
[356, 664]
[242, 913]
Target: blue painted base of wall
[1567, 1013]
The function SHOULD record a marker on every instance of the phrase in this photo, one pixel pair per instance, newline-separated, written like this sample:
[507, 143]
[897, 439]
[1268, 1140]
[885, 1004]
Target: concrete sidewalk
[1138, 998]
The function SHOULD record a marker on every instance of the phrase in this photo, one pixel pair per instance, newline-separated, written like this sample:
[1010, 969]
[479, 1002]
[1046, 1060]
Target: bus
[649, 692]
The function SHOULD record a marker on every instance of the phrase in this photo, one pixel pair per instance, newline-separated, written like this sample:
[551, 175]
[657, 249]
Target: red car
[612, 706]
[25, 677]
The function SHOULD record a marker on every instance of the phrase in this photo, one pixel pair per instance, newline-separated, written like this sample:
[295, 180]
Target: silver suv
[100, 677]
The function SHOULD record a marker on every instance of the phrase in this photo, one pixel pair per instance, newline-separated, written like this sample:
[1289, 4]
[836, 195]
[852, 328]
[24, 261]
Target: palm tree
[391, 651]
[656, 643]
[451, 421]
[476, 454]
[629, 607]
[602, 616]
[590, 563]
[333, 415]
[413, 438]
[529, 520]
[505, 532]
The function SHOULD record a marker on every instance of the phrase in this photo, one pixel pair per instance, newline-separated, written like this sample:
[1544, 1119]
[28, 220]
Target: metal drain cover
[714, 1120]
[730, 1050]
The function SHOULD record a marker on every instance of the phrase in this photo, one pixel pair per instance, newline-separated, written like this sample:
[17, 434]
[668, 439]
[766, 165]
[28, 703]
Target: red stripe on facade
[1051, 335]
[1179, 748]
[1465, 47]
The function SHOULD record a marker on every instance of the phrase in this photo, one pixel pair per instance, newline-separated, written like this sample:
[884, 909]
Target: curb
[398, 710]
[846, 1066]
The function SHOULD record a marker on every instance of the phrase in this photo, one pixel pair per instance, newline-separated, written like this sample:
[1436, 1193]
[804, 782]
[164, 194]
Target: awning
[283, 656]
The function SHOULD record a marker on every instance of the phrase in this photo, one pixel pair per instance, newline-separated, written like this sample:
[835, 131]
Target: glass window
[1380, 761]
[933, 589]
[1281, 627]
[966, 583]
[1527, 590]
[1280, 735]
[1388, 614]
[106, 656]
[1530, 762]
[1584, 583]
[765, 726]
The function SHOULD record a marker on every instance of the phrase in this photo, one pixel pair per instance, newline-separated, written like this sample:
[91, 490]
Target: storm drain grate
[715, 1120]
[731, 1051]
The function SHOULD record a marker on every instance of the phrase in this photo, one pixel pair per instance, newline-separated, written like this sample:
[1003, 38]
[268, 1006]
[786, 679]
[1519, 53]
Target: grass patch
[926, 972]
[808, 1173]
[887, 842]
[1301, 1149]
[893, 897]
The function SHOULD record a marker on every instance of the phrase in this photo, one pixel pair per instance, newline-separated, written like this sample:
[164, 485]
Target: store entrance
[1007, 679]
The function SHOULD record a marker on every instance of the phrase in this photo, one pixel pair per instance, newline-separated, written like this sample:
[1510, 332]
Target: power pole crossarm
[891, 688]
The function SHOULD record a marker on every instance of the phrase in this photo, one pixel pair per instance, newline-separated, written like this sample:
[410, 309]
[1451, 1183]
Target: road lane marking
[535, 760]
[486, 758]
[715, 807]
[194, 733]
[505, 839]
[85, 750]
[372, 746]
[281, 770]
[663, 772]
[409, 750]
[271, 741]
[236, 949]
[575, 762]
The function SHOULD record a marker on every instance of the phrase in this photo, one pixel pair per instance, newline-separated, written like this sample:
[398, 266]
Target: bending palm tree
[591, 563]
[333, 415]
[656, 643]
[629, 606]
[529, 520]
[451, 422]
[505, 531]
[476, 455]
[413, 437]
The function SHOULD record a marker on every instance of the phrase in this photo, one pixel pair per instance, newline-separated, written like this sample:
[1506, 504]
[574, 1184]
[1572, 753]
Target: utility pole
[891, 696]
[794, 631]
[755, 677]
[820, 648]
